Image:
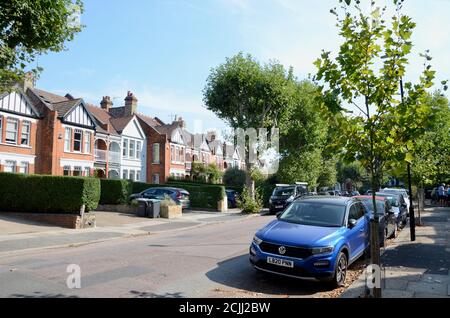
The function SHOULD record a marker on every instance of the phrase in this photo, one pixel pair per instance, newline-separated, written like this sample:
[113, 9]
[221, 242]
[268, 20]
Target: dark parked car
[387, 227]
[314, 238]
[398, 205]
[284, 194]
[232, 197]
[180, 196]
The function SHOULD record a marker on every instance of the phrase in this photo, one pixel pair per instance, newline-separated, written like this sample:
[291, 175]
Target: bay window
[66, 170]
[132, 175]
[76, 171]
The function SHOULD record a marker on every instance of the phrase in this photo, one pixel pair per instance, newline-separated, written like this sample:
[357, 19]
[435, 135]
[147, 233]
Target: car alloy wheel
[341, 270]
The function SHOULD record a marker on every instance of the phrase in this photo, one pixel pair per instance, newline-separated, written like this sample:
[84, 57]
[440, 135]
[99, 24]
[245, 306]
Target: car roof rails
[283, 185]
[302, 183]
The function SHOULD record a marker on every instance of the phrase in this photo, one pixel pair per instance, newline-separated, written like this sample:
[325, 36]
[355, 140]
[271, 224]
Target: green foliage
[248, 204]
[328, 175]
[352, 172]
[366, 74]
[201, 195]
[234, 177]
[29, 28]
[47, 194]
[213, 174]
[304, 167]
[114, 191]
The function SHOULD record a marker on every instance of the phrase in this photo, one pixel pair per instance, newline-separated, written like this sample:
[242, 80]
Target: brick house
[19, 121]
[65, 134]
[120, 142]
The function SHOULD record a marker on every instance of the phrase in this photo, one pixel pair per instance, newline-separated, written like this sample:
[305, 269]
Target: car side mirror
[352, 223]
[278, 215]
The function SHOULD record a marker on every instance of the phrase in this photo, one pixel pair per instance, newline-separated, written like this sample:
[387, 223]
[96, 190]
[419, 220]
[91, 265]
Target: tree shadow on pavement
[41, 295]
[238, 273]
[139, 294]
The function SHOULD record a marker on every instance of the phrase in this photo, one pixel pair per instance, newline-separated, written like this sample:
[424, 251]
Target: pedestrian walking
[441, 194]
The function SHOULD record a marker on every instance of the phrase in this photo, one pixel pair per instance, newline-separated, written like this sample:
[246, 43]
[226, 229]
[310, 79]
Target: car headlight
[322, 250]
[257, 240]
[270, 201]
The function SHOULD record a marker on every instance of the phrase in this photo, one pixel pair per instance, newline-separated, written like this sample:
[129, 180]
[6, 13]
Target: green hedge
[47, 194]
[114, 191]
[201, 195]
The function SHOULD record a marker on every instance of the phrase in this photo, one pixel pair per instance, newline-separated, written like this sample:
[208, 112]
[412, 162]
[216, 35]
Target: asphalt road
[206, 261]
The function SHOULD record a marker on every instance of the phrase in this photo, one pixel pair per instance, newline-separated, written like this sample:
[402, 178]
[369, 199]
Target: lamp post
[412, 219]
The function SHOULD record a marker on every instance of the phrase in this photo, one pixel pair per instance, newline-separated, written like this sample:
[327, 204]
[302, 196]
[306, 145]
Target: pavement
[18, 236]
[419, 269]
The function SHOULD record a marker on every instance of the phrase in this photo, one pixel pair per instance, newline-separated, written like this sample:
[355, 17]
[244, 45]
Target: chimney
[106, 103]
[130, 104]
[181, 122]
[28, 81]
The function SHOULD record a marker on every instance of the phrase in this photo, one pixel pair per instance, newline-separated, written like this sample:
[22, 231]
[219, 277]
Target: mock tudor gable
[17, 103]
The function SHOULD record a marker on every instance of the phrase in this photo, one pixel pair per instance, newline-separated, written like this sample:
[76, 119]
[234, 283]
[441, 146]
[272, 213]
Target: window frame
[25, 124]
[125, 174]
[68, 139]
[138, 149]
[77, 169]
[10, 120]
[80, 132]
[125, 148]
[156, 158]
[132, 149]
[87, 148]
[10, 163]
[26, 166]
[67, 168]
[132, 175]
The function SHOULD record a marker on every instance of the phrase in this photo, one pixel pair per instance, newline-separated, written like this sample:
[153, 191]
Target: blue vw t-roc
[314, 238]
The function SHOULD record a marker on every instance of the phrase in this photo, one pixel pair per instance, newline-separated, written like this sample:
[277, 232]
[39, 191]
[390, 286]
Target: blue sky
[163, 50]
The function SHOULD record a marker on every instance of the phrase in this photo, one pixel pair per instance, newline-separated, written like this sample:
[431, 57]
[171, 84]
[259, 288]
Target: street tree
[366, 74]
[29, 28]
[248, 94]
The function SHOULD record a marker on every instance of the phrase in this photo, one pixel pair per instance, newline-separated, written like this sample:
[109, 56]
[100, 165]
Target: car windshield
[314, 213]
[394, 191]
[279, 192]
[368, 203]
[393, 199]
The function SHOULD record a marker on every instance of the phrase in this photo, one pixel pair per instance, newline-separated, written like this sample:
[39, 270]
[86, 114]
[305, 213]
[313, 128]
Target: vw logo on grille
[282, 250]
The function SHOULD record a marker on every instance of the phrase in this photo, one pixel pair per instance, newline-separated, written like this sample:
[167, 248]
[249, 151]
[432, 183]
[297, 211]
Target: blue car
[314, 238]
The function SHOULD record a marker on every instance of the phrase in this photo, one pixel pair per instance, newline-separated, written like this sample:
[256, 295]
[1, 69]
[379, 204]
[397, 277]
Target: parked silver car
[180, 196]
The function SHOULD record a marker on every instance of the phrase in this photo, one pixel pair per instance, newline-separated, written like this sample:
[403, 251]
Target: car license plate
[280, 262]
[278, 206]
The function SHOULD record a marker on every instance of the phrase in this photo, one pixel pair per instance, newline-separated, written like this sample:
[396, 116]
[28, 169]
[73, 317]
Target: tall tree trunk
[421, 202]
[249, 182]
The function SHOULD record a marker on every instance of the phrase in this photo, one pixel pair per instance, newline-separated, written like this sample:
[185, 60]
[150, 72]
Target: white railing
[101, 155]
[114, 157]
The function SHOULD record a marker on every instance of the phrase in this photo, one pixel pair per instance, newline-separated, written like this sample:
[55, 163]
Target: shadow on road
[139, 294]
[41, 295]
[238, 273]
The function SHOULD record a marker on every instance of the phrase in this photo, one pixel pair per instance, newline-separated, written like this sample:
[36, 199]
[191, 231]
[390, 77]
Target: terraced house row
[45, 133]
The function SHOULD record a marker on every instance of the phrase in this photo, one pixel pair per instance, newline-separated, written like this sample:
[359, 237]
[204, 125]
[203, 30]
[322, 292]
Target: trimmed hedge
[47, 194]
[201, 195]
[114, 191]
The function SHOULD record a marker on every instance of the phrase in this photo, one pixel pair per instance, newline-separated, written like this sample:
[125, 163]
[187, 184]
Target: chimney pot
[130, 104]
[106, 103]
